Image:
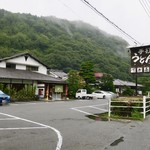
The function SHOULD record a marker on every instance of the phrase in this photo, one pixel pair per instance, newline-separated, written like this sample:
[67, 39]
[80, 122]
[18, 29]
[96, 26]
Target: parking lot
[63, 125]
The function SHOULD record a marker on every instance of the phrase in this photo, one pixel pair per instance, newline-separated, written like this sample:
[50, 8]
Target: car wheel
[87, 97]
[78, 97]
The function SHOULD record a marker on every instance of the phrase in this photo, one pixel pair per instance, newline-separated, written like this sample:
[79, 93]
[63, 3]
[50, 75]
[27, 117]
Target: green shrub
[128, 92]
[26, 94]
[136, 114]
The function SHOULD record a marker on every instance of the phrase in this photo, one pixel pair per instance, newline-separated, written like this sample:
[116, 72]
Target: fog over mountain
[63, 44]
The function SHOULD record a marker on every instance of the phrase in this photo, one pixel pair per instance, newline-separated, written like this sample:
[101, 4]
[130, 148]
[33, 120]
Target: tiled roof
[27, 75]
[125, 83]
[98, 74]
[58, 73]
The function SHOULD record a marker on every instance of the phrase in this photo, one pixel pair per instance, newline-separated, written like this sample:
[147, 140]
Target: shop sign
[58, 88]
[140, 59]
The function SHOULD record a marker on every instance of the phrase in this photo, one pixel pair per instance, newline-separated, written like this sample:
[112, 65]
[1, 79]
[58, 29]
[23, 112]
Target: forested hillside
[62, 44]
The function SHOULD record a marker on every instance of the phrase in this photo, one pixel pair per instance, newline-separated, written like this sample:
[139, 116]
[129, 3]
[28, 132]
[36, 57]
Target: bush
[128, 92]
[26, 94]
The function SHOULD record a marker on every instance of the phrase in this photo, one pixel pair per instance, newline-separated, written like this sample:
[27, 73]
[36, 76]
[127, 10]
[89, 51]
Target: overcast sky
[129, 15]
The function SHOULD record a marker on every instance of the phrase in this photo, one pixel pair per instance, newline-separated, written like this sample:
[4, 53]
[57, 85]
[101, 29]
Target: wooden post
[136, 85]
[144, 107]
[47, 92]
[109, 107]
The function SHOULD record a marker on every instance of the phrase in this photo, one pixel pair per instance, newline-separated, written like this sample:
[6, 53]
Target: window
[9, 65]
[32, 68]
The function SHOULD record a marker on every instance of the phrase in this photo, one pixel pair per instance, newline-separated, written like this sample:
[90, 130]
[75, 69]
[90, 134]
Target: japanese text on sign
[140, 60]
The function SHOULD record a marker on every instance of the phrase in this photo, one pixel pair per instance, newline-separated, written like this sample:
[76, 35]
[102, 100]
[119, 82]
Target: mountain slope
[62, 44]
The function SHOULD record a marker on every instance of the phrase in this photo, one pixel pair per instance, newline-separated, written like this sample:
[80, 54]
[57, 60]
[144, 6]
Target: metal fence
[126, 106]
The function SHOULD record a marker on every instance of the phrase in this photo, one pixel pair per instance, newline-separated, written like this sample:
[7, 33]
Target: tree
[62, 44]
[145, 81]
[75, 81]
[107, 83]
[87, 72]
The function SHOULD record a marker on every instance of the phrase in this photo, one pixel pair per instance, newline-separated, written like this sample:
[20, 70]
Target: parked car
[4, 98]
[104, 94]
[113, 95]
[82, 94]
[99, 94]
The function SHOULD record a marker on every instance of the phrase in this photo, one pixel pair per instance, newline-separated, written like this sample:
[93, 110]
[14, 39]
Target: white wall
[20, 67]
[2, 64]
[21, 64]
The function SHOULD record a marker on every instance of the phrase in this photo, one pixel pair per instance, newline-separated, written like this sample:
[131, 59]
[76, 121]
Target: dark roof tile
[27, 75]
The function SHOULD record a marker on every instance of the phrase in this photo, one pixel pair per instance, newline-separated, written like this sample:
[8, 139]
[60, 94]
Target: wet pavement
[63, 125]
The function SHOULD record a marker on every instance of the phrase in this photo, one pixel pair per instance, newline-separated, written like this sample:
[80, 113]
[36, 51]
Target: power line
[147, 4]
[145, 7]
[69, 8]
[108, 20]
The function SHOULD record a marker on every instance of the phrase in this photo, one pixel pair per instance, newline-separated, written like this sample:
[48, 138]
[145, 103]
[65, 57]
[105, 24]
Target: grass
[101, 117]
[129, 98]
[129, 112]
[135, 115]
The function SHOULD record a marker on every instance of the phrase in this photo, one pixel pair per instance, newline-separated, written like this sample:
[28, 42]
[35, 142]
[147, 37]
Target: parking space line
[60, 139]
[1, 119]
[90, 106]
[98, 108]
[83, 112]
[23, 128]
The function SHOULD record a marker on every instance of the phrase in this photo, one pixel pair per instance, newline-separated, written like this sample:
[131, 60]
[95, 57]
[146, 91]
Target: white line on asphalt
[89, 106]
[60, 139]
[98, 108]
[83, 112]
[23, 128]
[8, 119]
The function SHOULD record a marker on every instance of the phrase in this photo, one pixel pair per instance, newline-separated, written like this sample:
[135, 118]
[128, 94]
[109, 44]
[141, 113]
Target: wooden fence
[126, 107]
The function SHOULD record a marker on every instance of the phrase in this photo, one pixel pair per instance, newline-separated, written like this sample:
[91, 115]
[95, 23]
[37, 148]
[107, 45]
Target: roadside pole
[109, 108]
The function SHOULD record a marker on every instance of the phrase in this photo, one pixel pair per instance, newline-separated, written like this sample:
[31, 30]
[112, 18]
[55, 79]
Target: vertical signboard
[58, 88]
[140, 59]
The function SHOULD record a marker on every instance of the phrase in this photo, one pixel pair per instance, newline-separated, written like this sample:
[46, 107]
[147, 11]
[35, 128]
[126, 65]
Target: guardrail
[127, 107]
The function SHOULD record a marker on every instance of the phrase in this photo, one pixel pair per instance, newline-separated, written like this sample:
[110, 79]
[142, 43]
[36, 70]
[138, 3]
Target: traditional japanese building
[24, 69]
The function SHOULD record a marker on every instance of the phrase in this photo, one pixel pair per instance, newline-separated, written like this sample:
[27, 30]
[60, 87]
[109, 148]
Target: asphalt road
[63, 125]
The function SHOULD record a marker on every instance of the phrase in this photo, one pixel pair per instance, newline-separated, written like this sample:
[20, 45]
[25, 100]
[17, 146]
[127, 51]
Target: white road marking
[23, 128]
[83, 112]
[8, 119]
[89, 106]
[60, 139]
[98, 108]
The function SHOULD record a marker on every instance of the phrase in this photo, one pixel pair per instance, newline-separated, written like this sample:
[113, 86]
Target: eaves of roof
[118, 82]
[27, 75]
